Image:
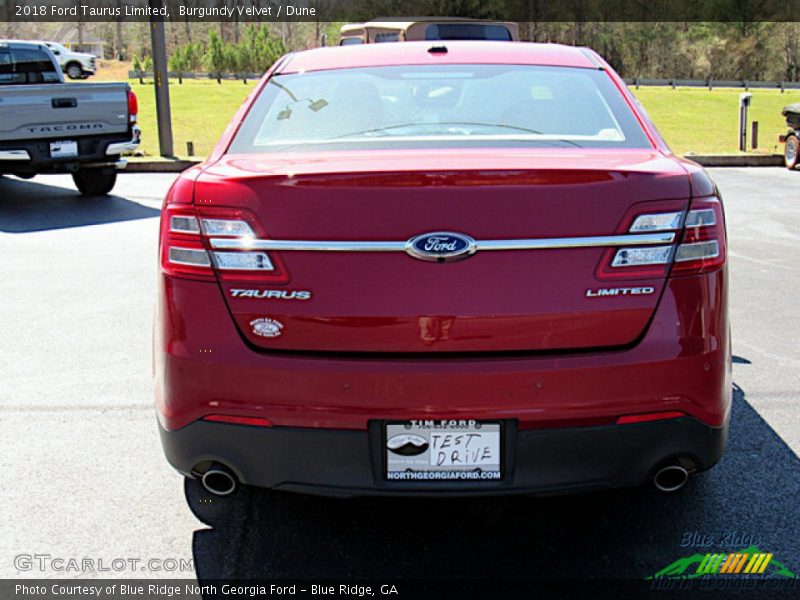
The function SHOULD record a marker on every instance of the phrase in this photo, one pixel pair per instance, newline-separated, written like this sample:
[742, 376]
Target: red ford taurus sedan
[457, 268]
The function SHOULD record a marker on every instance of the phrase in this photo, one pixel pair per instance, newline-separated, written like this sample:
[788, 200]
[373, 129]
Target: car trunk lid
[507, 300]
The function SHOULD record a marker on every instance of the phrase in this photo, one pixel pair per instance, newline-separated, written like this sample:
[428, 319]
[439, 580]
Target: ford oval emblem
[441, 246]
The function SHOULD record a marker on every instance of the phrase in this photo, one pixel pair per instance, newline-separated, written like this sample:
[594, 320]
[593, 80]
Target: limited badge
[267, 327]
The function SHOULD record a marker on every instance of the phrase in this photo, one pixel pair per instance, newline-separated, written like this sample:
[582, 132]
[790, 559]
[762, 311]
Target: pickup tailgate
[62, 110]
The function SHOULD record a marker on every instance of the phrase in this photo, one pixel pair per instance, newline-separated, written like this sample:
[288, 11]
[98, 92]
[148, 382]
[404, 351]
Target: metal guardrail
[636, 82]
[174, 75]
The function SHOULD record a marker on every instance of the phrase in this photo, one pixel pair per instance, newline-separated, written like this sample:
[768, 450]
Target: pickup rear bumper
[33, 156]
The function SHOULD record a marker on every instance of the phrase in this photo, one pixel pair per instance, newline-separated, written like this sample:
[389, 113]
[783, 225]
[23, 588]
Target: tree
[258, 50]
[194, 56]
[138, 68]
[178, 63]
[215, 58]
[235, 60]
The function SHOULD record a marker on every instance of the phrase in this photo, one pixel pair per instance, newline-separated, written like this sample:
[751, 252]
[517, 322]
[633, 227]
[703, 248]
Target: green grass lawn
[691, 119]
[707, 122]
[201, 109]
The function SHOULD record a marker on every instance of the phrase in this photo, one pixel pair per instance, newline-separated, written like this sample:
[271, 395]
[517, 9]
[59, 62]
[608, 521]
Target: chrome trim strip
[590, 55]
[604, 241]
[303, 246]
[14, 155]
[647, 239]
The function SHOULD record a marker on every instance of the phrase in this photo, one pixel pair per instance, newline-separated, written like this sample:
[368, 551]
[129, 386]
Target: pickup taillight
[186, 252]
[133, 107]
[699, 245]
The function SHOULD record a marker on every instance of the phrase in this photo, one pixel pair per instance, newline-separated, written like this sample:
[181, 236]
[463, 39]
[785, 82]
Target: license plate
[443, 450]
[63, 149]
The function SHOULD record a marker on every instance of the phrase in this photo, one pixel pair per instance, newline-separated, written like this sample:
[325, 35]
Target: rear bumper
[33, 156]
[346, 463]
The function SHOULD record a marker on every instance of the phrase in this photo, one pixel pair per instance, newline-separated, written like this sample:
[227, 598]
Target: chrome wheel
[790, 153]
[74, 71]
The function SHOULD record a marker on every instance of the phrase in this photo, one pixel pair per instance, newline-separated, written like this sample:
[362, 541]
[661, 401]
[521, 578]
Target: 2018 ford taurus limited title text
[460, 269]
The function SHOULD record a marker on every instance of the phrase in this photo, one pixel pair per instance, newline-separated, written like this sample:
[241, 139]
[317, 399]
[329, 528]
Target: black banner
[415, 589]
[734, 11]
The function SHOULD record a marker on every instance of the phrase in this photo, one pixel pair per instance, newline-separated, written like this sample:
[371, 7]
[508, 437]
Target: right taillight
[702, 247]
[698, 245]
[185, 251]
[133, 107]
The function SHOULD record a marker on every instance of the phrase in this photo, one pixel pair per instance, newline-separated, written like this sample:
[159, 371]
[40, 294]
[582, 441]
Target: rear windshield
[26, 65]
[443, 106]
[467, 31]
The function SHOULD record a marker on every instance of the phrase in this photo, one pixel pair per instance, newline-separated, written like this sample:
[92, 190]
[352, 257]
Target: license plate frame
[64, 149]
[418, 467]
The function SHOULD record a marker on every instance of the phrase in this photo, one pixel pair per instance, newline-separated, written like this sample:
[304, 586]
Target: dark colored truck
[791, 151]
[48, 126]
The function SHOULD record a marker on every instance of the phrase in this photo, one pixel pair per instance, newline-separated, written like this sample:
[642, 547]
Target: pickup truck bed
[48, 126]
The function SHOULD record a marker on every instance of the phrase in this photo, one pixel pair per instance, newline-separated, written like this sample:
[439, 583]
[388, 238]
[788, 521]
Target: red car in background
[442, 268]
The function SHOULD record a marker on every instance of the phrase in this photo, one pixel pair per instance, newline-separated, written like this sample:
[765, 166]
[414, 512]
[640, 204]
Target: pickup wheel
[95, 182]
[791, 152]
[74, 71]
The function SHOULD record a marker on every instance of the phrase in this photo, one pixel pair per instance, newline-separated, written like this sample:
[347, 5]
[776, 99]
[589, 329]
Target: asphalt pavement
[85, 476]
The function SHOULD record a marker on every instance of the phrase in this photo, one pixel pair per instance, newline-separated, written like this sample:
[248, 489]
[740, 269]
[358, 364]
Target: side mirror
[57, 53]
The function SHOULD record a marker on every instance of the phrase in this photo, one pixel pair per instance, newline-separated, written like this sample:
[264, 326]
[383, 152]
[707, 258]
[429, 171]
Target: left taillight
[133, 107]
[183, 253]
[185, 249]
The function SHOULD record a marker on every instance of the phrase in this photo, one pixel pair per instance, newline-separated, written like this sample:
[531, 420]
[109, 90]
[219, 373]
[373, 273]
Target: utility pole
[163, 111]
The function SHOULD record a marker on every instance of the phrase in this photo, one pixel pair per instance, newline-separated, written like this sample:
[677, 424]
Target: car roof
[405, 23]
[21, 43]
[458, 52]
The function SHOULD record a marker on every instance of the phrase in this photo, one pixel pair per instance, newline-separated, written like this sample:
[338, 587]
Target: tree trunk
[118, 51]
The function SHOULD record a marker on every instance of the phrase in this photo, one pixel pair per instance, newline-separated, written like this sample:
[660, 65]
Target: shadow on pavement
[27, 206]
[630, 533]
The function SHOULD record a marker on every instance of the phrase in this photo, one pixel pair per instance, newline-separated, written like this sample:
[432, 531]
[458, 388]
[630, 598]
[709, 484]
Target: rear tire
[791, 152]
[74, 71]
[95, 182]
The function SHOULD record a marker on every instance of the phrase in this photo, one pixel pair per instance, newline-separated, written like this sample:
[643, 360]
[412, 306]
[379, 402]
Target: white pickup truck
[76, 65]
[48, 126]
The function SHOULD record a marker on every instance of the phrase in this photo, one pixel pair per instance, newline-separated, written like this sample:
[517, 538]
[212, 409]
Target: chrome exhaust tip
[219, 481]
[670, 478]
